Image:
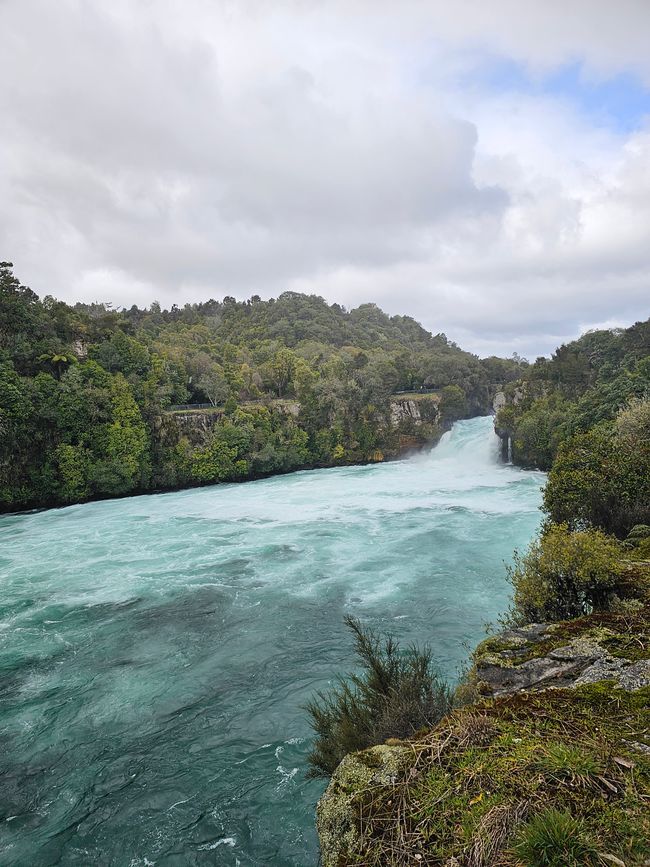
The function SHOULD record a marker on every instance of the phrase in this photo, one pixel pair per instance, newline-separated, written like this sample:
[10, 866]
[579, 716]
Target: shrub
[565, 574]
[396, 694]
[555, 839]
[633, 424]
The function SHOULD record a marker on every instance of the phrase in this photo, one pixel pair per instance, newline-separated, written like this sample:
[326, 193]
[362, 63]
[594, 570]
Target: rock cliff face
[414, 418]
[417, 422]
[197, 424]
[558, 717]
[405, 410]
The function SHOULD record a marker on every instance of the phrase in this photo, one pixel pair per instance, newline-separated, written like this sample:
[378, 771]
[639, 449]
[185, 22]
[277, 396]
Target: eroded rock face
[338, 815]
[540, 656]
[403, 409]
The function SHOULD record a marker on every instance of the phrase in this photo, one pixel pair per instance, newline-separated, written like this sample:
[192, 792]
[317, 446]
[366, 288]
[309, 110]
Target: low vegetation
[530, 779]
[396, 694]
[555, 839]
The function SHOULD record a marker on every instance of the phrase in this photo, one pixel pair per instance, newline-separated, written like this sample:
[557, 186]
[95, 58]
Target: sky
[481, 166]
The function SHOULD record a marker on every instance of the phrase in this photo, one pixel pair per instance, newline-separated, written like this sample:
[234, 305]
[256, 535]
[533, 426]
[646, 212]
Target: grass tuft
[555, 839]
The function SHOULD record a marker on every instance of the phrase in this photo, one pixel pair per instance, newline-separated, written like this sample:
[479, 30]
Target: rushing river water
[155, 651]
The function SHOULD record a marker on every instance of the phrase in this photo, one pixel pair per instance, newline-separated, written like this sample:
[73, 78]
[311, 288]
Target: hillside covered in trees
[85, 390]
[585, 416]
[584, 383]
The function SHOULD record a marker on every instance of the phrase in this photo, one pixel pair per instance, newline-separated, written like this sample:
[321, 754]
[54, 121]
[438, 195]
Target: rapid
[156, 651]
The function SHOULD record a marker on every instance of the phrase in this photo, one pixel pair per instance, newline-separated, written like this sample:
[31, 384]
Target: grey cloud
[177, 151]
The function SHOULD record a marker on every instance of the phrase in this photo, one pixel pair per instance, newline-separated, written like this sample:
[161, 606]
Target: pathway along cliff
[155, 651]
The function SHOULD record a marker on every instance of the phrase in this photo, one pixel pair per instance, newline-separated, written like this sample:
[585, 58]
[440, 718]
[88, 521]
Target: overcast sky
[481, 166]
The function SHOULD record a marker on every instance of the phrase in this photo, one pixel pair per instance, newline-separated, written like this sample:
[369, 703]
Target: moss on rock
[357, 781]
[465, 790]
[612, 645]
[465, 793]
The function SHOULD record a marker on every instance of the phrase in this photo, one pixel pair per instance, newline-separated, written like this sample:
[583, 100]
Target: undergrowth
[530, 780]
[555, 839]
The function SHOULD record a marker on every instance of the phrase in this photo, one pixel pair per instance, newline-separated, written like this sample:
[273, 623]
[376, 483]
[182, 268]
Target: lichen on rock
[356, 780]
[563, 725]
[586, 650]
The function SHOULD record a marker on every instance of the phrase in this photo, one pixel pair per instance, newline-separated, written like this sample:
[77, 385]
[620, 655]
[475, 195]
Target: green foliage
[453, 403]
[124, 465]
[638, 539]
[567, 761]
[72, 466]
[565, 574]
[84, 390]
[396, 694]
[584, 384]
[555, 838]
[602, 478]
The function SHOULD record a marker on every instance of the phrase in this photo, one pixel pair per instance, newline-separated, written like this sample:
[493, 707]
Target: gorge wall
[414, 421]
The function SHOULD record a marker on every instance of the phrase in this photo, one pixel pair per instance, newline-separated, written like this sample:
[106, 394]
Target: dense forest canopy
[85, 390]
[584, 383]
[585, 416]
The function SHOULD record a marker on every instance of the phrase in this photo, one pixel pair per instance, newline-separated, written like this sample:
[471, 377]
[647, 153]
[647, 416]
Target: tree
[602, 478]
[213, 384]
[121, 456]
[453, 403]
[279, 370]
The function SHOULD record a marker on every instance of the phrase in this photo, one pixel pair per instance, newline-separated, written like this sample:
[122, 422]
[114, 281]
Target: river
[155, 652]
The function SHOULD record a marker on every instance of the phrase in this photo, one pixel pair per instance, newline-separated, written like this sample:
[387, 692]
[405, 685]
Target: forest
[584, 415]
[583, 384]
[87, 392]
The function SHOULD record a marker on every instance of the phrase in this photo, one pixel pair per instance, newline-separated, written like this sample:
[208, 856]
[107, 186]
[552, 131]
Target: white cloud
[180, 150]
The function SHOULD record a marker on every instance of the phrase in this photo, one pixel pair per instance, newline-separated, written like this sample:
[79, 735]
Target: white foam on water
[170, 636]
[224, 841]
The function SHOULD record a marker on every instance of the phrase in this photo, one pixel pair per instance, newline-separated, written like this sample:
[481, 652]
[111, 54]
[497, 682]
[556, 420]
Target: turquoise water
[155, 651]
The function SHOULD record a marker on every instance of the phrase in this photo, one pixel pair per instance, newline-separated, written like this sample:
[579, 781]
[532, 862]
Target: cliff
[555, 740]
[414, 422]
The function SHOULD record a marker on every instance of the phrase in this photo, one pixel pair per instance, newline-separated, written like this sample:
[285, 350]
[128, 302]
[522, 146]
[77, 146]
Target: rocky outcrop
[404, 409]
[416, 421]
[560, 718]
[413, 417]
[196, 425]
[338, 811]
[540, 656]
[499, 401]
